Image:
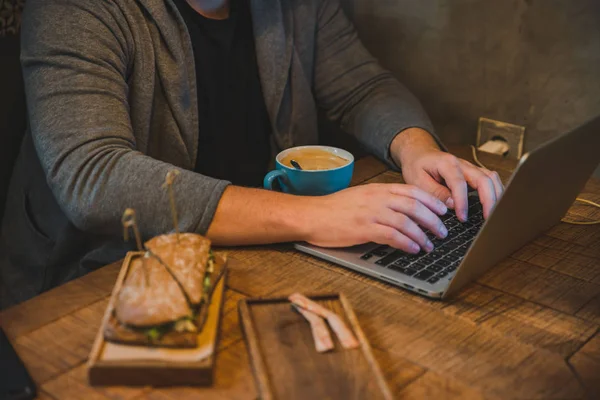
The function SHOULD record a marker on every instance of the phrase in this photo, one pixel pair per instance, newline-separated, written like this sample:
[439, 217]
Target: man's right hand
[392, 214]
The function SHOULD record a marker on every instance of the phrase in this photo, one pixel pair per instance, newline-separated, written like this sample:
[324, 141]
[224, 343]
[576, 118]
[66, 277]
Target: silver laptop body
[539, 193]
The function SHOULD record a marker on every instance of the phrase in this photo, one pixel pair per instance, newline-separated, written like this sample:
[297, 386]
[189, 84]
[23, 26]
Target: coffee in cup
[313, 159]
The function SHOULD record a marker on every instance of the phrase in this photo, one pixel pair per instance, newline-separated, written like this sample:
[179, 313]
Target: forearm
[247, 216]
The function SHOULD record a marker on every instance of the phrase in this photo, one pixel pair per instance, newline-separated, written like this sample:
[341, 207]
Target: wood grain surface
[287, 366]
[527, 329]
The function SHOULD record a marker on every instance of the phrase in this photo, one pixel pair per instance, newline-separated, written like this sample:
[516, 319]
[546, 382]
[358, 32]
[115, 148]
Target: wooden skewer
[129, 221]
[169, 179]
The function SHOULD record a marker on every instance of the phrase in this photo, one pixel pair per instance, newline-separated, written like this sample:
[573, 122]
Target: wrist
[409, 143]
[302, 218]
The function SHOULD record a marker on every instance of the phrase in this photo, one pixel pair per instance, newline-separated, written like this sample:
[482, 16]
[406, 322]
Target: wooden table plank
[434, 386]
[233, 380]
[541, 285]
[41, 395]
[230, 332]
[62, 344]
[398, 372]
[367, 168]
[528, 322]
[73, 385]
[591, 311]
[48, 307]
[587, 365]
[565, 261]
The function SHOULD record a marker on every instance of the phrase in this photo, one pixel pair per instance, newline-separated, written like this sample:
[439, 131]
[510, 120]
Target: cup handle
[272, 176]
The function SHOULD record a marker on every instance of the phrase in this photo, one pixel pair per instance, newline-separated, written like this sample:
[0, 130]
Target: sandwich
[164, 300]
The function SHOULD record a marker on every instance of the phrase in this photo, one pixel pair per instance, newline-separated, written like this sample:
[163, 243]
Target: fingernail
[464, 216]
[450, 203]
[443, 208]
[428, 246]
[443, 230]
[415, 248]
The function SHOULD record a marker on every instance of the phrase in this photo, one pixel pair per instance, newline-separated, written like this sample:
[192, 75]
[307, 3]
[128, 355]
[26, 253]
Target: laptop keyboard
[447, 254]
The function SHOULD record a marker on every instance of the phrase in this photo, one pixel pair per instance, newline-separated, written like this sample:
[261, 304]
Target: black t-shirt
[234, 126]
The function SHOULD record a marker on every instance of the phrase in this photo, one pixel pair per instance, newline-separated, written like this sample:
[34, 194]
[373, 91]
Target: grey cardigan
[112, 107]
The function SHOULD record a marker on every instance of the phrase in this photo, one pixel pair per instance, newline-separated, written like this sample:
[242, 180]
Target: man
[119, 92]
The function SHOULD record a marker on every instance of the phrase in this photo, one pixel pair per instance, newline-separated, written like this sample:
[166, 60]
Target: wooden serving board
[286, 364]
[109, 364]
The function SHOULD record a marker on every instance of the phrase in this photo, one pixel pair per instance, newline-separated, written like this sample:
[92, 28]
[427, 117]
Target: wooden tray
[286, 364]
[152, 372]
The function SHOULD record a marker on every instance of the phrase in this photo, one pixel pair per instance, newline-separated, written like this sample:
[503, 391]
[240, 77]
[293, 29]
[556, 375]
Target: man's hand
[445, 176]
[391, 214]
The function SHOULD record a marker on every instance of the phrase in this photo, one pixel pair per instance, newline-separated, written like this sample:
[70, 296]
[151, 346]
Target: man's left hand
[442, 174]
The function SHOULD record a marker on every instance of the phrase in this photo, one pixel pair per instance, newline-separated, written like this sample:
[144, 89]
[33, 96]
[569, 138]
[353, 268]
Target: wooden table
[528, 329]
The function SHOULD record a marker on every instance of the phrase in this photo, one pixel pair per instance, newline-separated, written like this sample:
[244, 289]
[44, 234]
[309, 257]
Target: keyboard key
[455, 243]
[443, 250]
[474, 231]
[419, 265]
[379, 252]
[410, 271]
[366, 256]
[451, 268]
[400, 263]
[433, 280]
[442, 274]
[451, 223]
[412, 257]
[454, 257]
[390, 258]
[444, 262]
[424, 275]
[452, 234]
[435, 268]
[433, 256]
[398, 268]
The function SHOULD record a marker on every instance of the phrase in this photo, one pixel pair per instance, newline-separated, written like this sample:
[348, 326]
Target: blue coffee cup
[311, 182]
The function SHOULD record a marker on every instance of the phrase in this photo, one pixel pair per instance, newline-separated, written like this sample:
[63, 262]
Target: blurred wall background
[530, 62]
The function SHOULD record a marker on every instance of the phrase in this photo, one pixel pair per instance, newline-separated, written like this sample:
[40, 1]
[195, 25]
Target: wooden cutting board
[286, 364]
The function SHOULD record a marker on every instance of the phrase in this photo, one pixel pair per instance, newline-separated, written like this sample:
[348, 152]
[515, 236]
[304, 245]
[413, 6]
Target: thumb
[440, 191]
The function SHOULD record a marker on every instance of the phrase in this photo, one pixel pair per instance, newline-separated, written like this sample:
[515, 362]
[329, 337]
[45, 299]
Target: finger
[455, 180]
[407, 227]
[498, 185]
[430, 185]
[493, 175]
[382, 234]
[484, 185]
[420, 214]
[429, 200]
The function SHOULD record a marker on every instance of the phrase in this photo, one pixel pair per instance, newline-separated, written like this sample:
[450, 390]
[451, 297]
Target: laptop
[539, 193]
